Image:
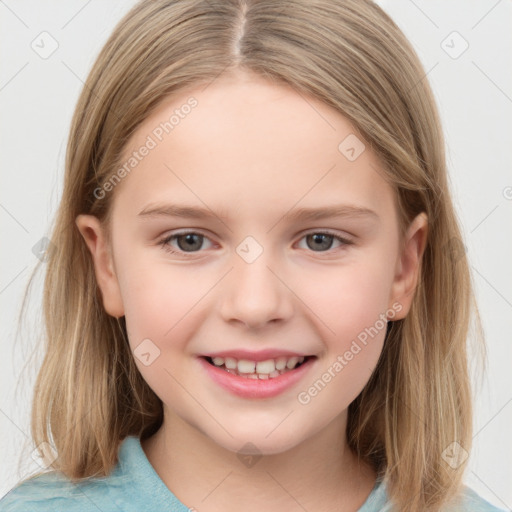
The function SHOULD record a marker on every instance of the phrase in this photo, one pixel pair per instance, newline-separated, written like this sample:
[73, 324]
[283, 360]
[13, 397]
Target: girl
[254, 299]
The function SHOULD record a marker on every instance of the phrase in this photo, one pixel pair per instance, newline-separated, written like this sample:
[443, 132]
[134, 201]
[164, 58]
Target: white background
[474, 95]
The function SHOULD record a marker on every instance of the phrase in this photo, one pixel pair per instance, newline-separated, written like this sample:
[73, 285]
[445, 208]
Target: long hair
[349, 54]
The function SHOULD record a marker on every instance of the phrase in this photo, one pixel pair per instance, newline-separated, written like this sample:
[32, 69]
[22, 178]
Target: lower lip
[256, 388]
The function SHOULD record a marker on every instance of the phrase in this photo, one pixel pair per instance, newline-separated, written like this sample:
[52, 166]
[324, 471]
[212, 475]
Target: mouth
[268, 369]
[263, 379]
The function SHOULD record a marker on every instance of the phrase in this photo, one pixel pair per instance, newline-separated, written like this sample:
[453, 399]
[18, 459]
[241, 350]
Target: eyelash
[165, 242]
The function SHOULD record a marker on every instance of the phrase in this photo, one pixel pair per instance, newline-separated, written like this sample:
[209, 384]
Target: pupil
[189, 237]
[193, 241]
[318, 237]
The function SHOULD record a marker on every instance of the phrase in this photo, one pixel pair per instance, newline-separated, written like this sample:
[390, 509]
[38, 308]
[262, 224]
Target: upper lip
[260, 355]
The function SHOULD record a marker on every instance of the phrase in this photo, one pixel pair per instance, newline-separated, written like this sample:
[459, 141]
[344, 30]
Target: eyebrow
[295, 215]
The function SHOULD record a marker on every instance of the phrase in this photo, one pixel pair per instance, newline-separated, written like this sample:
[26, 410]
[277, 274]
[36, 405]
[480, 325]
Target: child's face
[251, 153]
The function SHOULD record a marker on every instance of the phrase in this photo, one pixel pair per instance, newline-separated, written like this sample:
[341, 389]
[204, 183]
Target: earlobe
[94, 236]
[409, 264]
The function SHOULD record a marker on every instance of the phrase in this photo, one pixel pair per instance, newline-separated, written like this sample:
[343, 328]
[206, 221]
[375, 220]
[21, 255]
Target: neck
[321, 473]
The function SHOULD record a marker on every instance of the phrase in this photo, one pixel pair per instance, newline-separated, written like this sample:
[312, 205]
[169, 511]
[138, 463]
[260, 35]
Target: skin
[255, 150]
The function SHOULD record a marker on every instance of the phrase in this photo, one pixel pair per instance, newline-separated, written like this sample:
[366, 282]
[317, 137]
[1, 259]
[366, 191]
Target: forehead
[253, 144]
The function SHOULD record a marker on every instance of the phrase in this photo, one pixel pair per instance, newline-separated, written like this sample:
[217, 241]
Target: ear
[94, 235]
[408, 265]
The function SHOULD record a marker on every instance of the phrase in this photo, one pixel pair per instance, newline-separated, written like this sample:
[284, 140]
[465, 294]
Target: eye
[188, 241]
[322, 240]
[192, 241]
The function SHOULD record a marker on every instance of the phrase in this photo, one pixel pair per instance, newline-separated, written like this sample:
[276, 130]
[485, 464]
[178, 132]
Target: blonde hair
[349, 54]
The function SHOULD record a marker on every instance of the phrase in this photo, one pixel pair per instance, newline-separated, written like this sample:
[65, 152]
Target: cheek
[160, 319]
[351, 310]
[348, 299]
[158, 299]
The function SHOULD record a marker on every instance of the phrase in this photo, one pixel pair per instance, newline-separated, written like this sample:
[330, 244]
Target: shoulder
[53, 492]
[470, 501]
[466, 501]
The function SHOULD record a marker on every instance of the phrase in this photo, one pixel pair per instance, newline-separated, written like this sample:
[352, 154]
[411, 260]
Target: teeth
[271, 368]
[245, 366]
[292, 362]
[281, 363]
[230, 363]
[265, 366]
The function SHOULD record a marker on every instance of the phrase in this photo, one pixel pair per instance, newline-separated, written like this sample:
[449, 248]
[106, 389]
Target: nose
[254, 293]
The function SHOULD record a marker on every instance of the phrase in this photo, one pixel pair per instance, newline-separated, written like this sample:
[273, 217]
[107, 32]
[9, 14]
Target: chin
[256, 442]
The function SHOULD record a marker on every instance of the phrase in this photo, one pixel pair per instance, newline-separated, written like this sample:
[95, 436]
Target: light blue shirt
[134, 486]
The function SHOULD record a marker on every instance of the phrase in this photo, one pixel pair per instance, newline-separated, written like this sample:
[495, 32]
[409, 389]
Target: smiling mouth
[263, 370]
